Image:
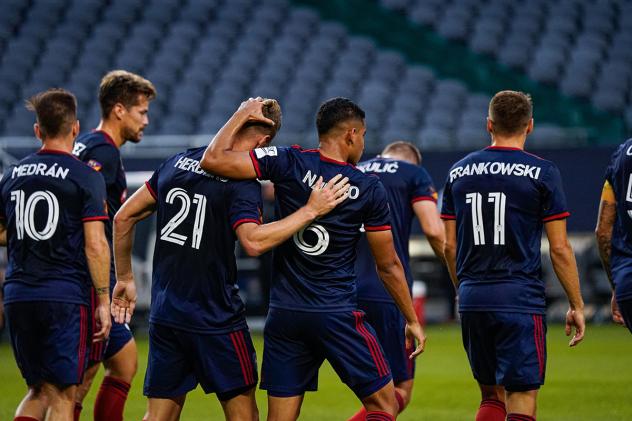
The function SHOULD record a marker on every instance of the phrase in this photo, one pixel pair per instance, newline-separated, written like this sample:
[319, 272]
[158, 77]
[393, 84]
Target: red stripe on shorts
[233, 338]
[374, 348]
[537, 334]
[248, 362]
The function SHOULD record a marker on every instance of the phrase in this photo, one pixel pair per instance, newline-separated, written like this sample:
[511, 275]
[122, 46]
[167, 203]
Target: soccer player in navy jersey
[313, 313]
[495, 203]
[198, 331]
[124, 99]
[410, 193]
[52, 209]
[614, 232]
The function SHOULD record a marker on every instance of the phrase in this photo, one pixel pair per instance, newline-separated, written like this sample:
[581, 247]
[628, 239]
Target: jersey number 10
[499, 200]
[25, 214]
[167, 233]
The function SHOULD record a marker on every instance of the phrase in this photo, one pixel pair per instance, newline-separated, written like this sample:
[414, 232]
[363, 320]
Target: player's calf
[61, 402]
[382, 401]
[492, 407]
[240, 405]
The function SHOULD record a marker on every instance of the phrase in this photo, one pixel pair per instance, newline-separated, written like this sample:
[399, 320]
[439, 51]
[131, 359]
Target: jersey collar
[107, 137]
[504, 148]
[54, 152]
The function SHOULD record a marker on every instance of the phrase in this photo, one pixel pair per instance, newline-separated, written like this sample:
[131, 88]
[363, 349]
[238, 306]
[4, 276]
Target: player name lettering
[504, 168]
[380, 167]
[310, 178]
[192, 165]
[54, 171]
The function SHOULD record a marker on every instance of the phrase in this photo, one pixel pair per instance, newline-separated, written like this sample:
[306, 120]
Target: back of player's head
[122, 87]
[405, 150]
[510, 112]
[336, 111]
[55, 110]
[271, 109]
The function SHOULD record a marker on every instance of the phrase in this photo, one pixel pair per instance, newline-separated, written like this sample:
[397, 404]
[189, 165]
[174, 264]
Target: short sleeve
[104, 159]
[94, 199]
[610, 170]
[271, 163]
[152, 184]
[423, 187]
[378, 217]
[245, 203]
[553, 198]
[447, 205]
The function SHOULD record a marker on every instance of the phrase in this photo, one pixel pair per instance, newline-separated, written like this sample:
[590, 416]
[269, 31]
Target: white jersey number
[167, 233]
[500, 201]
[25, 214]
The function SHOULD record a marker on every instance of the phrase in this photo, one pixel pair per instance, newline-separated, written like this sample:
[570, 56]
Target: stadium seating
[205, 56]
[580, 46]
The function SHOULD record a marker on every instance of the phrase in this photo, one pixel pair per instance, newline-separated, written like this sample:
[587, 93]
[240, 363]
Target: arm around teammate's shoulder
[565, 266]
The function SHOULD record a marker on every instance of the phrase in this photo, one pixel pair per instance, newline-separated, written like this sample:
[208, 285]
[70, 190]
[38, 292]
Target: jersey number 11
[499, 200]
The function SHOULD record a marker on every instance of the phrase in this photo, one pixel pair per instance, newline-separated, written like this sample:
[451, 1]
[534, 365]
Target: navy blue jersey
[619, 175]
[194, 274]
[98, 150]
[405, 184]
[44, 201]
[500, 198]
[315, 268]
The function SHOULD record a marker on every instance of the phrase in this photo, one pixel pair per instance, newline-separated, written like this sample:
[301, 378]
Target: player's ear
[530, 127]
[490, 126]
[76, 127]
[119, 110]
[36, 130]
[350, 136]
[264, 141]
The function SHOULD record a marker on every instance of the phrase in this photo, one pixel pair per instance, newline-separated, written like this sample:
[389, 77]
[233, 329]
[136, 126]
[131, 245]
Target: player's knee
[382, 400]
[492, 392]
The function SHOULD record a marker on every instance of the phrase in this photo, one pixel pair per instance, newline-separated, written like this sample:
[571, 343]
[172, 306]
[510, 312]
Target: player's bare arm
[449, 250]
[98, 256]
[257, 239]
[220, 158]
[391, 273]
[3, 234]
[431, 225]
[605, 222]
[135, 209]
[565, 267]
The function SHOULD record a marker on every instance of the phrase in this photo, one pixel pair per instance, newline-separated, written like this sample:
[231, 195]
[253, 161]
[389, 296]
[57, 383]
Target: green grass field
[591, 382]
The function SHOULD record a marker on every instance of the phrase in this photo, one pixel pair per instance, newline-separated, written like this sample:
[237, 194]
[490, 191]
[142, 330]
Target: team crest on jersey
[267, 151]
[95, 165]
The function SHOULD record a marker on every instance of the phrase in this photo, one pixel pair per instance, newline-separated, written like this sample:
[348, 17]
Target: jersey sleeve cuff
[255, 164]
[448, 216]
[421, 198]
[95, 218]
[245, 221]
[555, 217]
[151, 191]
[378, 228]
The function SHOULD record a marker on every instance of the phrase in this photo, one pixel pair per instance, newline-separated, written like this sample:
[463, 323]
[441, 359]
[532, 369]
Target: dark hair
[120, 86]
[403, 148]
[271, 109]
[55, 110]
[335, 111]
[510, 112]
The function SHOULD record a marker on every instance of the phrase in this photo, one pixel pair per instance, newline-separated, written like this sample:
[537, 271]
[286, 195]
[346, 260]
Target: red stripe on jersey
[151, 191]
[244, 221]
[380, 228]
[95, 218]
[556, 216]
[240, 357]
[446, 216]
[255, 163]
[374, 348]
[421, 198]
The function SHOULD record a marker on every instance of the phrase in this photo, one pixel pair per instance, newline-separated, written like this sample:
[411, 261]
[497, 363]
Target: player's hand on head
[124, 301]
[103, 320]
[617, 317]
[254, 109]
[415, 334]
[325, 197]
[575, 319]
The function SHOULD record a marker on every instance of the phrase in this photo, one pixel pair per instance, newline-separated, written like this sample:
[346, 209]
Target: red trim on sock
[21, 418]
[359, 416]
[77, 411]
[110, 401]
[379, 416]
[400, 401]
[519, 417]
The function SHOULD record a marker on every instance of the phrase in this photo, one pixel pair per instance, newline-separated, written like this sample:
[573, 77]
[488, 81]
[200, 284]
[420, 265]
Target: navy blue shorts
[225, 364]
[120, 335]
[625, 307]
[390, 325]
[50, 341]
[296, 344]
[507, 349]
